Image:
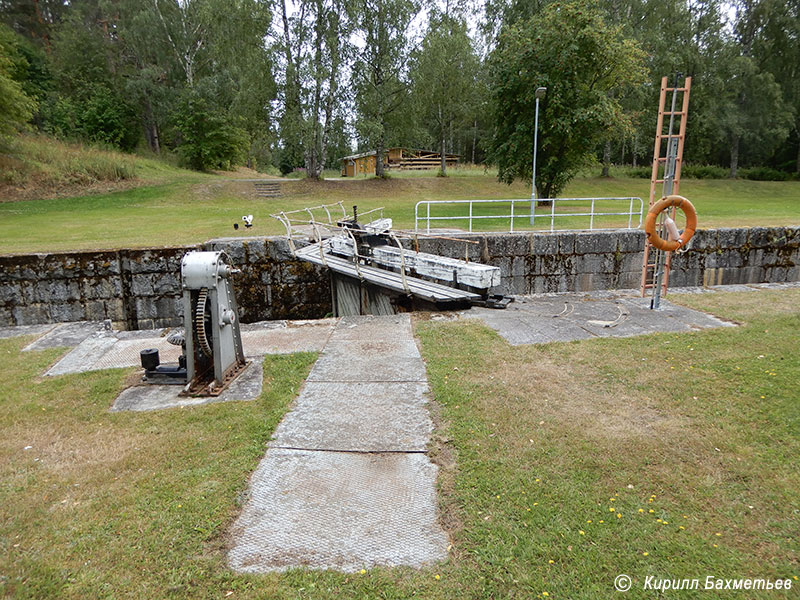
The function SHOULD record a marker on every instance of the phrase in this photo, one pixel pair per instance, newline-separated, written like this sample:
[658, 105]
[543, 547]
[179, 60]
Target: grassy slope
[703, 432]
[38, 166]
[194, 208]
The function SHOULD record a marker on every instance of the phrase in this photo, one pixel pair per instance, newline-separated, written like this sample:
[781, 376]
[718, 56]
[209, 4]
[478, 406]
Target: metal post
[540, 92]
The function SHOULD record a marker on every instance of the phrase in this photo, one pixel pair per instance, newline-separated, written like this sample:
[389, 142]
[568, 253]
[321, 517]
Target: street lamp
[540, 92]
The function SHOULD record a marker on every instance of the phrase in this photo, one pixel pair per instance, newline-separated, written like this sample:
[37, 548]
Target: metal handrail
[531, 215]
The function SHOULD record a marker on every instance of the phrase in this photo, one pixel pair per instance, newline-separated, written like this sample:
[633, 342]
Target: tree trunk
[155, 144]
[443, 156]
[635, 148]
[734, 156]
[622, 154]
[379, 151]
[797, 164]
[475, 139]
[444, 159]
[606, 159]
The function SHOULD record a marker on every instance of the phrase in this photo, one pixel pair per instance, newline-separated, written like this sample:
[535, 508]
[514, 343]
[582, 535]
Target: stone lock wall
[140, 289]
[601, 260]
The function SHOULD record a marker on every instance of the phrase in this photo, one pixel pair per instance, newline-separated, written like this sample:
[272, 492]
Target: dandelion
[641, 510]
[601, 521]
[551, 561]
[611, 509]
[666, 522]
[651, 511]
[619, 516]
[436, 577]
[718, 534]
[715, 546]
[658, 521]
[582, 532]
[498, 496]
[545, 594]
[685, 517]
[589, 521]
[363, 571]
[681, 527]
[645, 554]
[536, 504]
[611, 499]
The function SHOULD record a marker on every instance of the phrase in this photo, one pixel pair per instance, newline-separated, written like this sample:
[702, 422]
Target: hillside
[38, 167]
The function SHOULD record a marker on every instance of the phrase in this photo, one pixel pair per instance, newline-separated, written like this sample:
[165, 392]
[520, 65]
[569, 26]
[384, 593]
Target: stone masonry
[140, 288]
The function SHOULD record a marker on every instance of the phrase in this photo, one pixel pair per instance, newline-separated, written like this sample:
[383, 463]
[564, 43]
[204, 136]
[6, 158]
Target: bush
[638, 172]
[704, 172]
[764, 174]
[98, 114]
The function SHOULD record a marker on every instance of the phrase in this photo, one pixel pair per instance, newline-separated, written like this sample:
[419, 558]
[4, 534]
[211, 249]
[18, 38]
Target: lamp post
[540, 92]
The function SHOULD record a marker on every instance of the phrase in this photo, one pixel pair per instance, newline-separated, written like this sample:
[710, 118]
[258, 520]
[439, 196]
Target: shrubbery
[208, 140]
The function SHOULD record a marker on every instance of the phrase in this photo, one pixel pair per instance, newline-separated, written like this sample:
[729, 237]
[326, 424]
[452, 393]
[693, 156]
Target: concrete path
[346, 483]
[548, 318]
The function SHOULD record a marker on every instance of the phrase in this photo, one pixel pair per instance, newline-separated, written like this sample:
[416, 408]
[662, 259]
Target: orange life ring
[652, 215]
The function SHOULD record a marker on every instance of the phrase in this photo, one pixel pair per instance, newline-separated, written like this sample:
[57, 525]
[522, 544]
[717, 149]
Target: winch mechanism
[212, 343]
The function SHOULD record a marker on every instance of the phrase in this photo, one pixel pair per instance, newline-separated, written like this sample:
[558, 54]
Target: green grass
[533, 443]
[691, 439]
[188, 208]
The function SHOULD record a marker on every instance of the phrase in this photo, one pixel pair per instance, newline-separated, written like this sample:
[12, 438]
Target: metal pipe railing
[471, 215]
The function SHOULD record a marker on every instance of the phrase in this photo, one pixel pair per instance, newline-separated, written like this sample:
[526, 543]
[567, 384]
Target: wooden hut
[403, 159]
[359, 164]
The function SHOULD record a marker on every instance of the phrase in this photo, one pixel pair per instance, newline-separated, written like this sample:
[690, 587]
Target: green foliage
[764, 174]
[443, 70]
[584, 63]
[703, 172]
[207, 139]
[96, 114]
[16, 107]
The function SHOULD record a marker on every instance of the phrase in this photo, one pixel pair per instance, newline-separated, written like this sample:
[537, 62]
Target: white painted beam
[443, 268]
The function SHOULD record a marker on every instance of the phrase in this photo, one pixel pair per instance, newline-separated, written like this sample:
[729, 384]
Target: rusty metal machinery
[212, 343]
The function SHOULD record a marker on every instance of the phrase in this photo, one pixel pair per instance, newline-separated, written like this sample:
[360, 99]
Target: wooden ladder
[669, 157]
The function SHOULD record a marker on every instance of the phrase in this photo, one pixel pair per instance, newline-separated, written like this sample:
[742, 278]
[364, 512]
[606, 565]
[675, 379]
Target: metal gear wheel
[200, 322]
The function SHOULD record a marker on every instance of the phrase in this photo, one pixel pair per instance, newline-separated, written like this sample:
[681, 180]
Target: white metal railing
[635, 207]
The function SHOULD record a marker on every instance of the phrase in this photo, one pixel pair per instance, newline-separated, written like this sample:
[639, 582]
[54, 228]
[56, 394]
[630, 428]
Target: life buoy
[652, 216]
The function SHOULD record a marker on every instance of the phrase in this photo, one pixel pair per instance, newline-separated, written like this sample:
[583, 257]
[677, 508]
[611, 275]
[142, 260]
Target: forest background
[296, 85]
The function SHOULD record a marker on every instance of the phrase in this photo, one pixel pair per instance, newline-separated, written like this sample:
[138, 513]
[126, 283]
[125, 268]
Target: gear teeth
[200, 322]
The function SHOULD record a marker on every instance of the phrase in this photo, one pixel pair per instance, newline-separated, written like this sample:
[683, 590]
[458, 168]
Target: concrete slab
[567, 317]
[81, 359]
[246, 386]
[20, 330]
[371, 349]
[125, 353]
[363, 417]
[286, 337]
[338, 510]
[336, 365]
[68, 335]
[120, 349]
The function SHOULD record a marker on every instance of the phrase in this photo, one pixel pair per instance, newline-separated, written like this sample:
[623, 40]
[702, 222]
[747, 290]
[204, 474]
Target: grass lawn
[562, 466]
[193, 208]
